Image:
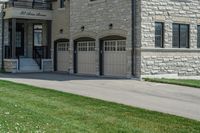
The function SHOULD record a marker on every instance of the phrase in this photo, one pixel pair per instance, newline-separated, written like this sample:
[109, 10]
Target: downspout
[2, 17]
[133, 16]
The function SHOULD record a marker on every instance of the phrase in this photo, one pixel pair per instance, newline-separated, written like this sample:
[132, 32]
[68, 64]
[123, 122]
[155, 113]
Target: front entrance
[27, 46]
[19, 40]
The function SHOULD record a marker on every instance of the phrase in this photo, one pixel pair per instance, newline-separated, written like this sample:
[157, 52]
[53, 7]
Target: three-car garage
[108, 59]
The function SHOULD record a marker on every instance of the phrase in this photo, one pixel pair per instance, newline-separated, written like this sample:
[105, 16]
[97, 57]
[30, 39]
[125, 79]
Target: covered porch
[27, 40]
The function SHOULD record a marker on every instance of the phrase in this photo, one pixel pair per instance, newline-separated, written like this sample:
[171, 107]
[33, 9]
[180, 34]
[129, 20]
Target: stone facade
[60, 22]
[168, 60]
[96, 18]
[47, 65]
[11, 65]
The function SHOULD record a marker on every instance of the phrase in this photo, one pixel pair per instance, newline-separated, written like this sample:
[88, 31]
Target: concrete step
[28, 65]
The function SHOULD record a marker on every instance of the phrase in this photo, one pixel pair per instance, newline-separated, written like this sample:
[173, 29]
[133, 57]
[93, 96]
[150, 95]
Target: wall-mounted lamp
[82, 28]
[110, 26]
[61, 31]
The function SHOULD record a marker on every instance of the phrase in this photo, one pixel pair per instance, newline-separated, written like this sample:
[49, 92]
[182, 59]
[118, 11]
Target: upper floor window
[62, 3]
[198, 36]
[181, 35]
[159, 34]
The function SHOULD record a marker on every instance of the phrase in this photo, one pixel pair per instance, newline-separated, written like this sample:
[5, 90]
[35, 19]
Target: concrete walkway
[177, 100]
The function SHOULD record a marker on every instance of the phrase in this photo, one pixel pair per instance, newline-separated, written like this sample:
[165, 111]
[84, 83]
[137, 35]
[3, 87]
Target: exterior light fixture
[110, 26]
[82, 28]
[61, 31]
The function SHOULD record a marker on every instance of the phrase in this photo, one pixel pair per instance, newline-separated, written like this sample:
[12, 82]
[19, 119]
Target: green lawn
[26, 109]
[183, 82]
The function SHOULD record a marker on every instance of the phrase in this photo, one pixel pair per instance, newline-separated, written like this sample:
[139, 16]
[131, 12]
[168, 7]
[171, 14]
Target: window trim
[179, 33]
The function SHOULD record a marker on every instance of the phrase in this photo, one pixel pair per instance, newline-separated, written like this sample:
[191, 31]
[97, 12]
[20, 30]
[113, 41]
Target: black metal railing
[39, 53]
[38, 58]
[30, 4]
[19, 63]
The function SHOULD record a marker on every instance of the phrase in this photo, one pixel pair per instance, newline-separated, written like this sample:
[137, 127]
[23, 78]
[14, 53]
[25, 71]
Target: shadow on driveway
[56, 76]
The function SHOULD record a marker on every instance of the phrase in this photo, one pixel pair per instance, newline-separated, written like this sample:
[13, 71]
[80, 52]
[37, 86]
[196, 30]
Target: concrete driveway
[177, 100]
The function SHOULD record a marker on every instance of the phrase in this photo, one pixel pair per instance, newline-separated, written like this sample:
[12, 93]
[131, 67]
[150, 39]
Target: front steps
[28, 65]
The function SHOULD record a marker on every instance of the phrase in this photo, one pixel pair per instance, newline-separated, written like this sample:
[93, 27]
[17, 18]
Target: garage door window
[63, 46]
[115, 45]
[86, 46]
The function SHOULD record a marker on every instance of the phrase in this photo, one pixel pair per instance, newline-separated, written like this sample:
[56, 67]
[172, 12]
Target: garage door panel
[63, 56]
[115, 58]
[86, 57]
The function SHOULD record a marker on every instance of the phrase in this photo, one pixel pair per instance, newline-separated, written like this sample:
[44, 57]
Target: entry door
[63, 56]
[19, 40]
[115, 58]
[86, 57]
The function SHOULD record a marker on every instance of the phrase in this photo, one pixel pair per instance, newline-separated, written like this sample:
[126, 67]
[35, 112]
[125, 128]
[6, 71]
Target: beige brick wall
[96, 17]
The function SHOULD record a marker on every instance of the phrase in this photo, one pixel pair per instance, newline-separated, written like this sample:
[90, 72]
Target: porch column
[13, 30]
[48, 39]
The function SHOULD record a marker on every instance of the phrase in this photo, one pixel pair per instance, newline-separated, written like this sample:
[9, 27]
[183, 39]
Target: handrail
[37, 57]
[18, 63]
[29, 4]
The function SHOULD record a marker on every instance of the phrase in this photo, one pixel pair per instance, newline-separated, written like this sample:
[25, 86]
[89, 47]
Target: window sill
[95, 2]
[61, 9]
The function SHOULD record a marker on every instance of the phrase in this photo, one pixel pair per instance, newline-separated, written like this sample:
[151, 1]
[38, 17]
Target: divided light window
[181, 35]
[159, 34]
[198, 36]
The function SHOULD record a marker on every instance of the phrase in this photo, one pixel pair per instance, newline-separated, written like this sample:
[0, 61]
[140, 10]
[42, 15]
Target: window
[86, 46]
[180, 36]
[198, 36]
[37, 35]
[62, 3]
[115, 45]
[159, 34]
[63, 46]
